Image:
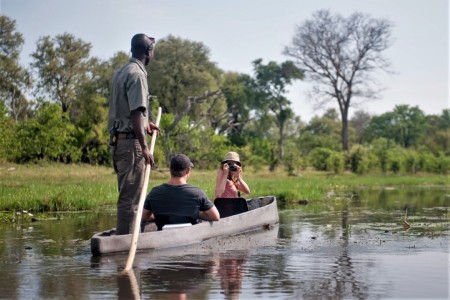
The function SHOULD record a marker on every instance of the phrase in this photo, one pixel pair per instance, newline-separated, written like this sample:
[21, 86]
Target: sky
[239, 31]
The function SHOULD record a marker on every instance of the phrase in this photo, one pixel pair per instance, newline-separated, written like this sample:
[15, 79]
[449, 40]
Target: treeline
[56, 108]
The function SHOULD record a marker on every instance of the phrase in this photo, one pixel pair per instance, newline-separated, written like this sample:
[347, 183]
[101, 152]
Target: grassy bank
[60, 187]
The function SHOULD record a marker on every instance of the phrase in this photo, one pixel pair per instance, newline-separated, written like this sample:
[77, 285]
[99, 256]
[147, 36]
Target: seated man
[177, 201]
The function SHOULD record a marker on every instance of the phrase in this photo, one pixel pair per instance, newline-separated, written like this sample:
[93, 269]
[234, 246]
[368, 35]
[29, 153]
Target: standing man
[128, 125]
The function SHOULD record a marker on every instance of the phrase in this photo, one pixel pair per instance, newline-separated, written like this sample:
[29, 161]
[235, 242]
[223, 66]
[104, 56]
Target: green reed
[62, 187]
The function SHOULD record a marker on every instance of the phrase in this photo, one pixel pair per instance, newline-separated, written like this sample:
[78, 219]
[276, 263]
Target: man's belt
[126, 136]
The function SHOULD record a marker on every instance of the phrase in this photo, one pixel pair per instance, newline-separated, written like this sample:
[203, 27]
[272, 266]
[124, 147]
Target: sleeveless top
[230, 190]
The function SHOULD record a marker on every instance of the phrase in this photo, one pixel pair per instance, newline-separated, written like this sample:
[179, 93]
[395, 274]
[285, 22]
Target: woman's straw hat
[232, 156]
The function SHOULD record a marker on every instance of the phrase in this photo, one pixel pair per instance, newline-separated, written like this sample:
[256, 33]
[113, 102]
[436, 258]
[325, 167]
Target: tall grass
[56, 187]
[61, 187]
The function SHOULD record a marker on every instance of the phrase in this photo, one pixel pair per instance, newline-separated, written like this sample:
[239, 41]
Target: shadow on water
[353, 245]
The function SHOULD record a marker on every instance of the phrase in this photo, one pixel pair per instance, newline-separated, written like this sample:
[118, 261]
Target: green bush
[442, 164]
[360, 159]
[396, 160]
[318, 158]
[380, 148]
[8, 142]
[336, 162]
[47, 136]
[426, 161]
[411, 161]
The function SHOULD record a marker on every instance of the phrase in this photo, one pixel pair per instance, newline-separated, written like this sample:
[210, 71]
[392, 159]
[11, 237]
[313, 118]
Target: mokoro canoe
[238, 215]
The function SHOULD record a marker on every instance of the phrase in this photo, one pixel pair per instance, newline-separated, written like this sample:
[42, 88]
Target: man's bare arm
[211, 214]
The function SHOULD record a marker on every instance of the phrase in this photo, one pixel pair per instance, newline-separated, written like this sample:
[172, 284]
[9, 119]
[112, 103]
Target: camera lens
[232, 167]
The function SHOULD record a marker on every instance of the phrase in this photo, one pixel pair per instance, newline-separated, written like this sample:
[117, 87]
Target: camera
[232, 167]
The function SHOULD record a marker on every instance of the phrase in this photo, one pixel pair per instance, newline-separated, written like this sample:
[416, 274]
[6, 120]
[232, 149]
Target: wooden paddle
[138, 216]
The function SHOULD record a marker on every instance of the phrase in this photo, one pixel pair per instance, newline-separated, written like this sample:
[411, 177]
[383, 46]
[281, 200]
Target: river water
[353, 245]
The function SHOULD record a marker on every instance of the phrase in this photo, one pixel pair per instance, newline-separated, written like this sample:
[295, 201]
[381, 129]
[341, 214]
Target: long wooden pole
[138, 216]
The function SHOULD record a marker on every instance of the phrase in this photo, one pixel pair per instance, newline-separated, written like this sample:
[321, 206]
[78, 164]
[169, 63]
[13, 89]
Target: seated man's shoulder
[194, 188]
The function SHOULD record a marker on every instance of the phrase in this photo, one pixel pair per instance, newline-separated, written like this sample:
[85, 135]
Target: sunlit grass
[61, 187]
[56, 187]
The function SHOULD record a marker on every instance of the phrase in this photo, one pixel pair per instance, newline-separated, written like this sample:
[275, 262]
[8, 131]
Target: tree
[8, 141]
[89, 111]
[405, 125]
[62, 66]
[437, 133]
[239, 94]
[271, 81]
[322, 132]
[47, 136]
[359, 122]
[339, 56]
[186, 84]
[15, 81]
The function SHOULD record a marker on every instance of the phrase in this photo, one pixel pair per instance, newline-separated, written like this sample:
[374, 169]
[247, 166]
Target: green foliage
[411, 161]
[322, 132]
[15, 81]
[182, 69]
[428, 162]
[49, 135]
[8, 142]
[405, 125]
[203, 146]
[381, 147]
[240, 98]
[336, 162]
[271, 81]
[318, 158]
[62, 66]
[358, 123]
[257, 163]
[89, 115]
[395, 160]
[437, 134]
[206, 111]
[442, 164]
[292, 160]
[360, 159]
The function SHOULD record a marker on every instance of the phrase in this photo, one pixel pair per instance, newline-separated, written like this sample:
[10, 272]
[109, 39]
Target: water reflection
[186, 279]
[177, 280]
[217, 266]
[128, 287]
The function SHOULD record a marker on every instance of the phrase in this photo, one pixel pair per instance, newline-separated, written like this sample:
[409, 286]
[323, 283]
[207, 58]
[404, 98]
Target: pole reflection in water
[128, 287]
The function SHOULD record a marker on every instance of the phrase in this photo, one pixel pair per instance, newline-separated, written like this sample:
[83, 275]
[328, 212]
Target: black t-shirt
[178, 200]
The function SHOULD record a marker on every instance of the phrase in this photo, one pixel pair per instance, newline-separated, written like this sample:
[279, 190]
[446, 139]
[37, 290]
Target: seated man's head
[180, 165]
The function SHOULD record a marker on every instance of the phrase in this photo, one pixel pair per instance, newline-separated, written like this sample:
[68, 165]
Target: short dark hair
[140, 43]
[178, 173]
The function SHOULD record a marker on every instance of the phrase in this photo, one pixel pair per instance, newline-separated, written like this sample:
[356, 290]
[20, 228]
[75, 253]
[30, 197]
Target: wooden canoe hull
[264, 216]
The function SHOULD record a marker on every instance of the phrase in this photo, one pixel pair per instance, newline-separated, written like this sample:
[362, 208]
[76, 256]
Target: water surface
[353, 245]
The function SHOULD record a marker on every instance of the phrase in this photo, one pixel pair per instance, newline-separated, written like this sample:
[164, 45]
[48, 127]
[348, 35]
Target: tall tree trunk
[281, 142]
[344, 134]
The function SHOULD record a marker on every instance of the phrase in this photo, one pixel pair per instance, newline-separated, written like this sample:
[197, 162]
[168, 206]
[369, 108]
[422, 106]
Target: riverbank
[62, 187]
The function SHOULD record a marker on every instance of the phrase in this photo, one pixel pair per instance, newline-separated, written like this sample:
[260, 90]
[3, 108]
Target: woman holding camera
[229, 181]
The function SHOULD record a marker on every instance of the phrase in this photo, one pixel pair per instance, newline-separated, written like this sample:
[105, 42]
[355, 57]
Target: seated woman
[229, 181]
